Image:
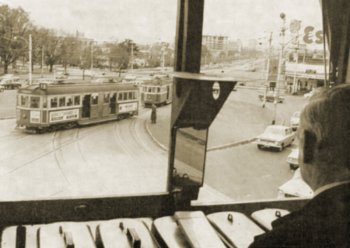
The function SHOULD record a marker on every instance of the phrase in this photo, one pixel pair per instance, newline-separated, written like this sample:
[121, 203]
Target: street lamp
[280, 63]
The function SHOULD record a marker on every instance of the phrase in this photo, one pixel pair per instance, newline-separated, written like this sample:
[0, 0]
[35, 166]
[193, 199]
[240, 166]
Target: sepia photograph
[174, 123]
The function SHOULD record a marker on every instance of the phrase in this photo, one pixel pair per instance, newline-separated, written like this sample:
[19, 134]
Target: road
[107, 159]
[73, 163]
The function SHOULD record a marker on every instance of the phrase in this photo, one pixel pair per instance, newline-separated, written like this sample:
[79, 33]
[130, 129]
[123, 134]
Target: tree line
[50, 47]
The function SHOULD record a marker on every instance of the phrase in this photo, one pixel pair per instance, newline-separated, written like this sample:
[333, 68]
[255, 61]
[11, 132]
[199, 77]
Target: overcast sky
[154, 20]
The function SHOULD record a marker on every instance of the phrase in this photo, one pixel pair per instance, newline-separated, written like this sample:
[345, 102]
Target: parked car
[295, 187]
[10, 81]
[294, 120]
[293, 160]
[270, 97]
[275, 136]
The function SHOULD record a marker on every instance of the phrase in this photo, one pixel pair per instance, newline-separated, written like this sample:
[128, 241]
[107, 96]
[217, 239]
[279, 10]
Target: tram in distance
[157, 91]
[47, 107]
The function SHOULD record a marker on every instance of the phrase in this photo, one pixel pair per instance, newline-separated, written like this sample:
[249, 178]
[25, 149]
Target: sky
[147, 21]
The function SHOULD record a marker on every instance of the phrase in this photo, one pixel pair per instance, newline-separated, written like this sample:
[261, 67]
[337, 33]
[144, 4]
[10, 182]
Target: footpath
[239, 122]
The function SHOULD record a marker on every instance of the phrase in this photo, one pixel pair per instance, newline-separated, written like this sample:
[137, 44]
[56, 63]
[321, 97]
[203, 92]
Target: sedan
[294, 120]
[275, 136]
[293, 160]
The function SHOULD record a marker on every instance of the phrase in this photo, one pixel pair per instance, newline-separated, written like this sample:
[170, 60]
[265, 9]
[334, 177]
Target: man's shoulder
[324, 219]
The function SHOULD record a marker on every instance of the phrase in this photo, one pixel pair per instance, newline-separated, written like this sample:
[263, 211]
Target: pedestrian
[324, 160]
[154, 114]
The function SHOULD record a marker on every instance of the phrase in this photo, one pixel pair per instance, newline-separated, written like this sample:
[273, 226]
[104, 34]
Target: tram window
[69, 101]
[44, 102]
[125, 95]
[53, 103]
[34, 102]
[120, 97]
[94, 99]
[77, 100]
[24, 101]
[106, 98]
[158, 89]
[62, 101]
[130, 96]
[149, 89]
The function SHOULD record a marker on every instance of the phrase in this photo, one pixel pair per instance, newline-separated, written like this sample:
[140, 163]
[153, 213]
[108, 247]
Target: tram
[45, 107]
[157, 91]
[173, 219]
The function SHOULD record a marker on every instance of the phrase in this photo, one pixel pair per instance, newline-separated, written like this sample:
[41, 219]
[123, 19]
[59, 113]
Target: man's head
[324, 135]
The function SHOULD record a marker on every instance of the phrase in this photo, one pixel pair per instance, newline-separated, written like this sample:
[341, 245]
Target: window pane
[69, 101]
[34, 102]
[62, 102]
[53, 102]
[94, 99]
[106, 98]
[77, 100]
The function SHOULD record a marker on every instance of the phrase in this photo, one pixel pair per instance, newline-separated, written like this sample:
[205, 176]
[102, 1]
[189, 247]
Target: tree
[120, 53]
[52, 48]
[14, 30]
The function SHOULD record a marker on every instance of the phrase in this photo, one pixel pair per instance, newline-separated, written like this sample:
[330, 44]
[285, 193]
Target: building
[215, 42]
[304, 70]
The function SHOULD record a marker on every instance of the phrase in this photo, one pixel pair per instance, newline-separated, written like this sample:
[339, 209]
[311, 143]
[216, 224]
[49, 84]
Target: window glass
[77, 100]
[62, 101]
[24, 101]
[44, 102]
[130, 96]
[34, 101]
[69, 101]
[125, 96]
[94, 99]
[120, 96]
[106, 98]
[53, 102]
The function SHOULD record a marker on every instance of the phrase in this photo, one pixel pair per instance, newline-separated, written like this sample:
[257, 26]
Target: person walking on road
[154, 114]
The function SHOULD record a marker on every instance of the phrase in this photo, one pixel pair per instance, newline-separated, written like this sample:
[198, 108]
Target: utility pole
[280, 64]
[267, 69]
[92, 57]
[42, 60]
[294, 90]
[132, 56]
[30, 59]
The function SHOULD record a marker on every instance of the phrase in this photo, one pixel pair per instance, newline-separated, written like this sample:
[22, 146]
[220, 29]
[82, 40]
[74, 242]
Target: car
[295, 187]
[293, 160]
[294, 120]
[275, 136]
[10, 81]
[270, 96]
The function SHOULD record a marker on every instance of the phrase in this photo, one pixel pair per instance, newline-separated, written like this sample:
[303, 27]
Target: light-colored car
[10, 81]
[295, 187]
[294, 120]
[275, 136]
[293, 160]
